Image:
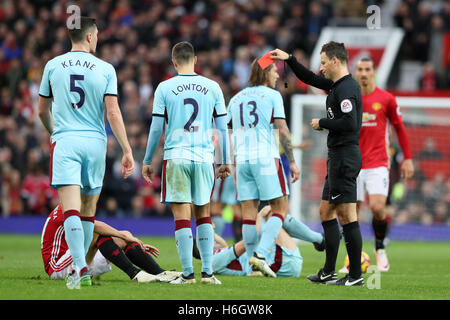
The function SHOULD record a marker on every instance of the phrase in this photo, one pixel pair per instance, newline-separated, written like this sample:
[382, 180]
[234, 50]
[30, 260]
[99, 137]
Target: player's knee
[279, 205]
[377, 209]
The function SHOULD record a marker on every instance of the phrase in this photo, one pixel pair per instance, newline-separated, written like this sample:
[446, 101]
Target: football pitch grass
[419, 271]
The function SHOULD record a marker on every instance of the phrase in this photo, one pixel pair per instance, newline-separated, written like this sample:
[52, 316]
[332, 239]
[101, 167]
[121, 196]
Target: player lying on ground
[108, 246]
[284, 257]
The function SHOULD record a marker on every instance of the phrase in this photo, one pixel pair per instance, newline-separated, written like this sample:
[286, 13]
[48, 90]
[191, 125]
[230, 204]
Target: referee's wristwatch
[290, 56]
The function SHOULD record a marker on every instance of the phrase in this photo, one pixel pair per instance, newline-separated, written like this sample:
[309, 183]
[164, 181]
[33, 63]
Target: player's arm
[45, 97]
[219, 242]
[301, 72]
[286, 143]
[285, 138]
[407, 166]
[224, 141]
[44, 113]
[154, 135]
[115, 119]
[104, 229]
[220, 120]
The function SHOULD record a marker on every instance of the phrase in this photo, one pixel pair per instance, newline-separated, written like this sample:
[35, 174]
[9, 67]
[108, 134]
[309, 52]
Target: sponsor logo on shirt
[376, 106]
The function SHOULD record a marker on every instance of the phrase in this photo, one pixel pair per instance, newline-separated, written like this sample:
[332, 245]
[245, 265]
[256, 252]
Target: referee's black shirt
[343, 105]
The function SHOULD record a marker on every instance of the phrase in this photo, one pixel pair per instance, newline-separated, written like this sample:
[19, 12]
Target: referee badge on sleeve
[346, 106]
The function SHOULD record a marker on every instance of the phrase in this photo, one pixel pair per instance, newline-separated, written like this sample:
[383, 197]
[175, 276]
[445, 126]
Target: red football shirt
[379, 110]
[53, 242]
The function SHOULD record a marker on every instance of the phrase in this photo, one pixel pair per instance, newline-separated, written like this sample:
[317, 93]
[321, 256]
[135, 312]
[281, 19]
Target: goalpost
[425, 120]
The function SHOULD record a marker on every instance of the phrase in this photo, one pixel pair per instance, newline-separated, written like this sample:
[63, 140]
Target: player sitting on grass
[108, 246]
[284, 258]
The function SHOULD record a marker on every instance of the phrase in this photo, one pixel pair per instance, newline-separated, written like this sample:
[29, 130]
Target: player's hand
[129, 238]
[407, 169]
[315, 124]
[152, 250]
[224, 171]
[295, 171]
[278, 54]
[147, 173]
[127, 164]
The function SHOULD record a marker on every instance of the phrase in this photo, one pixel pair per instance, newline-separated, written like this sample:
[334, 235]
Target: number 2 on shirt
[188, 126]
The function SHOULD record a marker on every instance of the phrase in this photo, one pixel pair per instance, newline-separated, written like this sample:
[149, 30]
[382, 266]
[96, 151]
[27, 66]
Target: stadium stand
[136, 37]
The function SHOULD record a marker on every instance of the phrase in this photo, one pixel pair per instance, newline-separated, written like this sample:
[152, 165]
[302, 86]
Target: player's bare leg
[380, 224]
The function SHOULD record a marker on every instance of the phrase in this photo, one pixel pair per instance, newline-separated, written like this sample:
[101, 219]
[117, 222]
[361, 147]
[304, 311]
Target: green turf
[419, 270]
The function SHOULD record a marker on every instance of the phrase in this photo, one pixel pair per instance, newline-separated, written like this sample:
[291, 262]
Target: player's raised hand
[127, 164]
[278, 54]
[147, 173]
[295, 171]
[407, 169]
[224, 171]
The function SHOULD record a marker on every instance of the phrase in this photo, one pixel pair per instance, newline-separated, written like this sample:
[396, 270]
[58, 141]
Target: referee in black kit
[344, 118]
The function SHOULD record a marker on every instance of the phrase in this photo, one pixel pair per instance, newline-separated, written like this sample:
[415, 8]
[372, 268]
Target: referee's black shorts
[343, 166]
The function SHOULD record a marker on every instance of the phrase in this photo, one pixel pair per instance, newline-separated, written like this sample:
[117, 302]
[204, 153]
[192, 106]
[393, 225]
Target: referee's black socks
[332, 238]
[353, 242]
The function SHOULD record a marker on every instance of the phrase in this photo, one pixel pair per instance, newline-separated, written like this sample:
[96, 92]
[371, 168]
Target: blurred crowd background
[137, 36]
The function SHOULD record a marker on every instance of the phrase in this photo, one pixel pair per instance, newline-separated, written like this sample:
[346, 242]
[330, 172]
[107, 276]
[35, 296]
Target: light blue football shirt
[251, 113]
[78, 81]
[189, 102]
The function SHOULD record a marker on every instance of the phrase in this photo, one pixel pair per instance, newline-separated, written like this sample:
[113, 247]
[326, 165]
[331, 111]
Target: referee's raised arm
[304, 74]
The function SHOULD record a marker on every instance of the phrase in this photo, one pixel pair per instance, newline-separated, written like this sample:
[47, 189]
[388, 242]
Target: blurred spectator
[429, 150]
[136, 37]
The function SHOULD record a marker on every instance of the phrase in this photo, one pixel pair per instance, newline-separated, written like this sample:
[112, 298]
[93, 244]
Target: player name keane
[190, 86]
[72, 63]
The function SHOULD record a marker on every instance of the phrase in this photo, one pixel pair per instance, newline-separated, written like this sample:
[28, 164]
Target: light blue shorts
[291, 263]
[225, 191]
[263, 180]
[78, 161]
[186, 181]
[225, 262]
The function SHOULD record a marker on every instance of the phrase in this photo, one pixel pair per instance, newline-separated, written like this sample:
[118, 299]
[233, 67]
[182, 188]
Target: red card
[265, 61]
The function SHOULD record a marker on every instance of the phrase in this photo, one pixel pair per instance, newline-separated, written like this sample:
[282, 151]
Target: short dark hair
[183, 52]
[368, 59]
[335, 49]
[78, 34]
[258, 76]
